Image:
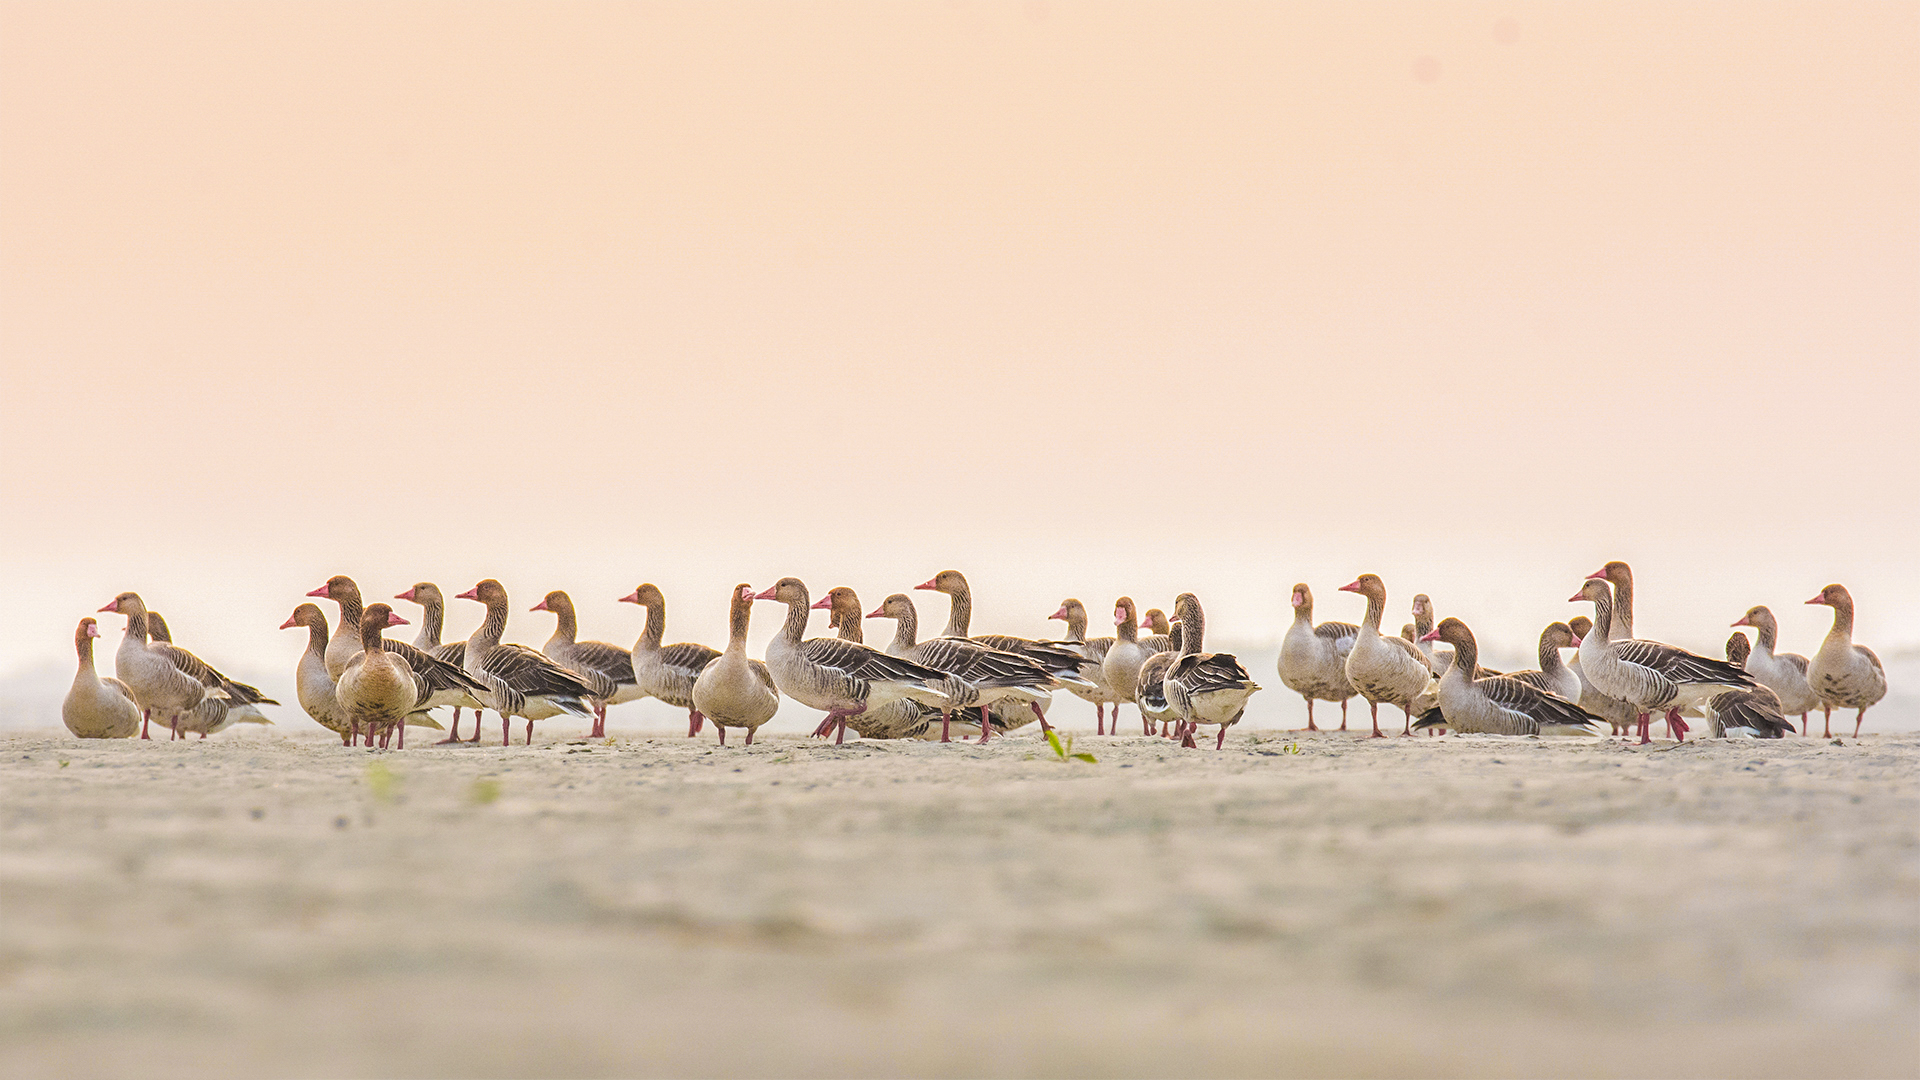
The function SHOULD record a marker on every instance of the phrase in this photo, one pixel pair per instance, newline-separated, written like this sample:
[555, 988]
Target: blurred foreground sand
[275, 904]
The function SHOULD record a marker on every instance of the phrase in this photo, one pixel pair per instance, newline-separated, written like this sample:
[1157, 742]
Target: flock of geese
[369, 689]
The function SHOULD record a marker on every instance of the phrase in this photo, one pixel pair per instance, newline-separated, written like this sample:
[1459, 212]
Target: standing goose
[243, 701]
[1647, 674]
[1554, 676]
[901, 719]
[840, 677]
[1062, 663]
[976, 676]
[1155, 623]
[1388, 669]
[734, 691]
[517, 680]
[1121, 668]
[310, 679]
[1313, 659]
[447, 680]
[1842, 674]
[1204, 687]
[433, 617]
[1619, 575]
[666, 672]
[1472, 703]
[1614, 711]
[1745, 714]
[159, 686]
[1150, 692]
[378, 690]
[1783, 673]
[1092, 669]
[97, 708]
[608, 669]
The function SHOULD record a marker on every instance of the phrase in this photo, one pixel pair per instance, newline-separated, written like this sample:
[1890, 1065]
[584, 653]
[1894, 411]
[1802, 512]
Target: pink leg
[946, 726]
[1343, 713]
[750, 736]
[825, 728]
[1804, 730]
[1645, 723]
[1826, 728]
[1374, 708]
[1676, 726]
[1186, 735]
[599, 720]
[1146, 723]
[722, 732]
[1043, 717]
[1100, 717]
[403, 734]
[1408, 730]
[1856, 731]
[1858, 718]
[694, 720]
[146, 717]
[840, 732]
[1311, 726]
[506, 730]
[1222, 740]
[454, 735]
[986, 725]
[529, 733]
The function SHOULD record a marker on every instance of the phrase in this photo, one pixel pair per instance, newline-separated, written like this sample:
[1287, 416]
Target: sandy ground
[269, 903]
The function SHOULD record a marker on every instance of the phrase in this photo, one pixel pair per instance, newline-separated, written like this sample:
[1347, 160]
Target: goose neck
[960, 615]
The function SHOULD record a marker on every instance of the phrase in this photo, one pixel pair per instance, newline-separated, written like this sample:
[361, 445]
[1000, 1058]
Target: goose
[666, 672]
[310, 679]
[518, 681]
[1062, 663]
[158, 684]
[1500, 704]
[900, 719]
[1553, 676]
[1842, 674]
[447, 680]
[1388, 669]
[1619, 714]
[606, 668]
[1121, 668]
[1426, 704]
[733, 691]
[1783, 673]
[1745, 714]
[977, 677]
[97, 708]
[1204, 687]
[378, 690]
[1150, 691]
[1155, 623]
[243, 701]
[433, 616]
[1619, 575]
[840, 677]
[1092, 669]
[1313, 659]
[1647, 674]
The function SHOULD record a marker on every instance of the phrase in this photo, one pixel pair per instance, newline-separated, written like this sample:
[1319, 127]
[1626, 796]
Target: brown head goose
[608, 669]
[1155, 623]
[1313, 659]
[1121, 668]
[1649, 675]
[840, 677]
[1150, 689]
[733, 691]
[1620, 576]
[1783, 673]
[518, 681]
[1204, 687]
[178, 698]
[97, 708]
[1553, 675]
[1500, 704]
[1060, 662]
[1092, 669]
[1388, 669]
[1745, 714]
[1844, 675]
[310, 679]
[447, 679]
[243, 701]
[902, 719]
[433, 617]
[1614, 711]
[976, 676]
[666, 672]
[378, 690]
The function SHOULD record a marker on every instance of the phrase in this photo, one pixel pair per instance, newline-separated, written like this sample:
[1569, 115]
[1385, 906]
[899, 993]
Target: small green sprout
[1290, 748]
[382, 781]
[1065, 751]
[484, 790]
[63, 763]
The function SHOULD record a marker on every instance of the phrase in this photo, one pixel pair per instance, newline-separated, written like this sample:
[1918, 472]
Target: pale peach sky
[1082, 299]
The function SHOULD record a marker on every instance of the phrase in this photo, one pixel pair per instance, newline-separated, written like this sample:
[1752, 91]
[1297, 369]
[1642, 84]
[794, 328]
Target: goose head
[951, 582]
[304, 615]
[647, 595]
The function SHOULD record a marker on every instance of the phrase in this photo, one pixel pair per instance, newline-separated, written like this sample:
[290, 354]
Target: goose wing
[979, 665]
[439, 674]
[208, 675]
[1539, 706]
[532, 673]
[1201, 672]
[690, 657]
[1680, 665]
[765, 676]
[1342, 634]
[1055, 660]
[861, 662]
[611, 661]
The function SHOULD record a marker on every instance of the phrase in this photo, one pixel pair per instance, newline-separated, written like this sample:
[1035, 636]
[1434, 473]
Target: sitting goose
[606, 668]
[517, 680]
[1647, 674]
[159, 686]
[1313, 659]
[433, 617]
[1388, 669]
[1500, 704]
[447, 681]
[840, 677]
[1091, 669]
[1842, 674]
[1783, 673]
[976, 676]
[666, 672]
[1204, 687]
[1553, 676]
[378, 690]
[310, 679]
[243, 701]
[733, 691]
[902, 719]
[1615, 712]
[1745, 714]
[97, 708]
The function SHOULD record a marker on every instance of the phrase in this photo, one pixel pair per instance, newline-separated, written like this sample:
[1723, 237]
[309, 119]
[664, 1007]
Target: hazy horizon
[1079, 299]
